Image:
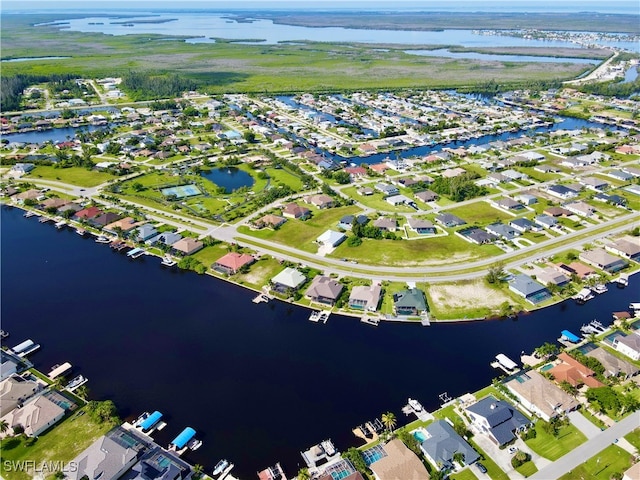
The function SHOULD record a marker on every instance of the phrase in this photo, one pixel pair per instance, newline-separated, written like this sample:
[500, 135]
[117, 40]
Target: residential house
[324, 290]
[441, 445]
[551, 276]
[601, 259]
[613, 366]
[477, 235]
[270, 220]
[364, 297]
[513, 175]
[14, 391]
[561, 191]
[347, 222]
[527, 199]
[232, 262]
[571, 371]
[540, 396]
[628, 345]
[31, 194]
[22, 168]
[366, 191]
[36, 415]
[165, 238]
[627, 248]
[396, 200]
[331, 238]
[387, 189]
[411, 301]
[88, 213]
[426, 196]
[509, 204]
[54, 203]
[320, 201]
[158, 464]
[529, 289]
[524, 225]
[144, 232]
[453, 172]
[575, 268]
[125, 225]
[400, 463]
[109, 457]
[9, 364]
[557, 212]
[546, 221]
[289, 278]
[293, 210]
[580, 208]
[593, 183]
[632, 473]
[356, 172]
[421, 227]
[620, 175]
[449, 220]
[503, 231]
[497, 419]
[187, 246]
[388, 224]
[105, 219]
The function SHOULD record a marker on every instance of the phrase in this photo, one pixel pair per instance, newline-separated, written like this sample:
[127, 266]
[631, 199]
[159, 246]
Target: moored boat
[220, 466]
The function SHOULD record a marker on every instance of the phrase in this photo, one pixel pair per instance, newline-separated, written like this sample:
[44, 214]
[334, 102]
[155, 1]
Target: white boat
[76, 382]
[194, 444]
[220, 466]
[315, 316]
[634, 306]
[328, 448]
[80, 231]
[168, 262]
[583, 295]
[103, 239]
[415, 404]
[60, 224]
[600, 288]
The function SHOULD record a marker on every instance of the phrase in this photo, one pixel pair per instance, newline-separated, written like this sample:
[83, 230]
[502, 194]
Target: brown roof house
[540, 396]
[400, 463]
[232, 262]
[321, 200]
[613, 365]
[324, 290]
[35, 416]
[15, 390]
[270, 220]
[187, 245]
[365, 297]
[293, 210]
[571, 371]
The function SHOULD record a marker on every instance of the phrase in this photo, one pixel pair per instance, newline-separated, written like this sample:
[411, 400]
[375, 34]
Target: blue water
[54, 135]
[443, 52]
[631, 75]
[30, 59]
[206, 26]
[230, 178]
[421, 437]
[197, 349]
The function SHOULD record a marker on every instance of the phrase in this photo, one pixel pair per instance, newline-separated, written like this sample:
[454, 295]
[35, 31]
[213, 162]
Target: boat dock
[505, 364]
[148, 423]
[263, 297]
[59, 370]
[635, 307]
[583, 296]
[622, 281]
[168, 262]
[320, 316]
[81, 231]
[226, 471]
[118, 245]
[183, 441]
[30, 214]
[320, 453]
[567, 338]
[375, 321]
[43, 219]
[60, 224]
[415, 407]
[25, 348]
[272, 473]
[594, 327]
[136, 252]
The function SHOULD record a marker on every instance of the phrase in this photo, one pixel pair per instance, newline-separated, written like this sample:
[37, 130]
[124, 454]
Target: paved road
[589, 449]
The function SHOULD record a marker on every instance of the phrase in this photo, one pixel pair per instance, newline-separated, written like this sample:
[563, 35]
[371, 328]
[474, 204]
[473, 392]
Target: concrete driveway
[583, 424]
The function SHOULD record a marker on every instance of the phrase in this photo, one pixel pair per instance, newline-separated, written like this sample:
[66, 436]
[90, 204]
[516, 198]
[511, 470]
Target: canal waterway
[258, 382]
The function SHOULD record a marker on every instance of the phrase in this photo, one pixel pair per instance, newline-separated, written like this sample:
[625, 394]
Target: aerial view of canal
[259, 383]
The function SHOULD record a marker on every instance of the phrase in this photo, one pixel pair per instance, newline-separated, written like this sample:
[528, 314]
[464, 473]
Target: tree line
[143, 86]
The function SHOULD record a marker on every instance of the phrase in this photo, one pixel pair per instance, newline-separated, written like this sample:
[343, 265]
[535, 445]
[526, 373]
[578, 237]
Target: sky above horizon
[478, 5]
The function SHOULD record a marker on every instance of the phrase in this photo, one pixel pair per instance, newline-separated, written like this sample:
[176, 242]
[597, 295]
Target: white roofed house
[331, 238]
[289, 278]
[594, 183]
[582, 209]
[35, 416]
[365, 297]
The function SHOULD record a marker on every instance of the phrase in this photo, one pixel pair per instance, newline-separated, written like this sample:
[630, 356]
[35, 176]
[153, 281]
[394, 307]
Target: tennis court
[181, 191]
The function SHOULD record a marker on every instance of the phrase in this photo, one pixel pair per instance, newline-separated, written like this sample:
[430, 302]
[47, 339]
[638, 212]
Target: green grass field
[552, 448]
[480, 213]
[602, 466]
[74, 175]
[425, 251]
[465, 474]
[63, 442]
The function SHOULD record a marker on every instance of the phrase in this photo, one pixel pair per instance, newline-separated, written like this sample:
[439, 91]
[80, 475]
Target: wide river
[258, 382]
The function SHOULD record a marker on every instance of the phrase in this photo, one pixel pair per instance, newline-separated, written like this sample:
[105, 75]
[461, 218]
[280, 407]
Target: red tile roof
[235, 261]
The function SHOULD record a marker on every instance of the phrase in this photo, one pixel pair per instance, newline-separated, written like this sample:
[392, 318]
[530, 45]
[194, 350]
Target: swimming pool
[420, 436]
[548, 366]
[373, 454]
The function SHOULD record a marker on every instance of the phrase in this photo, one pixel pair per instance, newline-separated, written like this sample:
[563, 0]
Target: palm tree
[389, 420]
[303, 474]
[82, 391]
[4, 426]
[198, 470]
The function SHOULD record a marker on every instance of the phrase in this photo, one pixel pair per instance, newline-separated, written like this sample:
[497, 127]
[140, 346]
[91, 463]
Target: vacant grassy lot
[461, 299]
[74, 175]
[63, 442]
[612, 459]
[548, 446]
[427, 251]
[376, 201]
[481, 213]
[302, 234]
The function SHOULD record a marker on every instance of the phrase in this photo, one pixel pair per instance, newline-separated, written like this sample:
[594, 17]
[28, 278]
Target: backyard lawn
[480, 213]
[63, 442]
[552, 448]
[602, 466]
